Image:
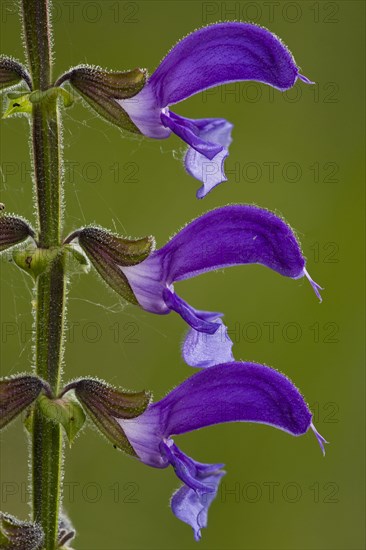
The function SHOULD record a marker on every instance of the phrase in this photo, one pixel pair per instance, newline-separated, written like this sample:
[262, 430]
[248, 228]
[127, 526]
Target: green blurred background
[299, 154]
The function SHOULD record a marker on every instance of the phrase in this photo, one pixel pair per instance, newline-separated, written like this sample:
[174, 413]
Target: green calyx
[102, 89]
[19, 535]
[17, 394]
[105, 404]
[12, 73]
[13, 230]
[109, 252]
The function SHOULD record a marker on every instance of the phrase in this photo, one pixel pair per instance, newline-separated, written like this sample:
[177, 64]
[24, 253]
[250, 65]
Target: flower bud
[16, 394]
[19, 535]
[107, 252]
[104, 404]
[13, 231]
[100, 89]
[12, 72]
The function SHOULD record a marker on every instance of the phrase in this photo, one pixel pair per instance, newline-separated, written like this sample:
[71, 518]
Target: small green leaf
[35, 260]
[16, 94]
[68, 98]
[18, 106]
[79, 263]
[22, 102]
[50, 95]
[65, 411]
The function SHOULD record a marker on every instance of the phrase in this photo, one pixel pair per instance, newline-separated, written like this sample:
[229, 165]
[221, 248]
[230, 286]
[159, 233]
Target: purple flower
[214, 55]
[224, 237]
[232, 392]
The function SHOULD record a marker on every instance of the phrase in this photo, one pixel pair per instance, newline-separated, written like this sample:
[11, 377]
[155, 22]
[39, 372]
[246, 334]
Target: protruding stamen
[305, 79]
[320, 438]
[315, 285]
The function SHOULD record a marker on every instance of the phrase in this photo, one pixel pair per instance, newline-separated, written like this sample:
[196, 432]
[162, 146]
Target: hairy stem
[37, 30]
[47, 443]
[47, 166]
[50, 287]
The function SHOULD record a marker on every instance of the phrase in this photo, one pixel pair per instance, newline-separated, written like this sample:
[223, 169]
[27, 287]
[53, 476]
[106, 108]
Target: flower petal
[231, 392]
[209, 139]
[207, 343]
[202, 323]
[236, 392]
[201, 481]
[145, 113]
[187, 130]
[232, 235]
[209, 171]
[222, 53]
[202, 350]
[192, 507]
[211, 56]
[189, 471]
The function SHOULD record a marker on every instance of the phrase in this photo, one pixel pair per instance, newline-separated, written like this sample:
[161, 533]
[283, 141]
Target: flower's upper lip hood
[227, 236]
[231, 392]
[211, 56]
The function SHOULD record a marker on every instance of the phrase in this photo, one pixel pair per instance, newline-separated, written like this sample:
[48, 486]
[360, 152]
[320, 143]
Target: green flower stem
[37, 41]
[47, 166]
[47, 442]
[50, 287]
